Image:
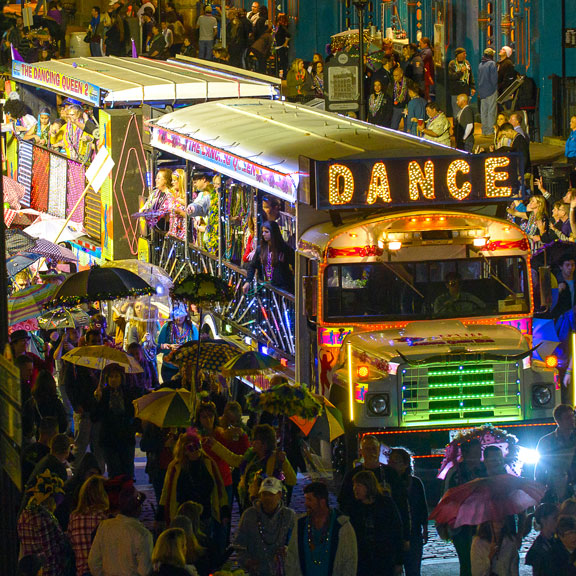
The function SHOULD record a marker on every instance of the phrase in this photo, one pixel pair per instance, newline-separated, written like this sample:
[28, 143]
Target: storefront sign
[277, 183]
[52, 80]
[410, 182]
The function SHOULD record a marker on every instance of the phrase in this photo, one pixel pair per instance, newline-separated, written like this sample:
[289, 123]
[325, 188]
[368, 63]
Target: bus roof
[268, 137]
[110, 80]
[368, 238]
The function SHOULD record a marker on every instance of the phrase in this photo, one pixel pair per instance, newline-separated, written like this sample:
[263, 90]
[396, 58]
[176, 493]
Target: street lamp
[360, 6]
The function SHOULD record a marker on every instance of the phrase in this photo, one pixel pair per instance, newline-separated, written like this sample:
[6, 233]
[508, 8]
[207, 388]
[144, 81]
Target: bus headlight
[541, 395]
[379, 404]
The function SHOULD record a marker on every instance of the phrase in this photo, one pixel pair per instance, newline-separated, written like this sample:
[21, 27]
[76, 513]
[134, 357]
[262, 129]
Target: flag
[15, 54]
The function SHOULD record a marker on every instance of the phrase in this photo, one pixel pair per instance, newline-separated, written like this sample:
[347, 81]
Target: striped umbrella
[28, 303]
[18, 241]
[166, 408]
[249, 363]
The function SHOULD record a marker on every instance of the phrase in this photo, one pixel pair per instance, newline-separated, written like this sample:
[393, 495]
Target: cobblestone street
[439, 556]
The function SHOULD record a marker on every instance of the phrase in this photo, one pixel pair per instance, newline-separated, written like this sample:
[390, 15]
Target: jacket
[506, 74]
[343, 548]
[570, 149]
[487, 77]
[460, 78]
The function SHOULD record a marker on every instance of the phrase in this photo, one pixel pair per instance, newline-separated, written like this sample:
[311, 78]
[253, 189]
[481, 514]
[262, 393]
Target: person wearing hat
[114, 411]
[488, 91]
[264, 531]
[38, 530]
[460, 79]
[122, 545]
[19, 341]
[207, 29]
[30, 565]
[172, 335]
[506, 71]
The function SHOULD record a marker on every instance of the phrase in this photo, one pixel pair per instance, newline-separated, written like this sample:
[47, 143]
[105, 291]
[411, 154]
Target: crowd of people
[80, 506]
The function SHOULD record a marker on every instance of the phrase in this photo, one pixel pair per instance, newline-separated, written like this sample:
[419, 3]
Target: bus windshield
[382, 291]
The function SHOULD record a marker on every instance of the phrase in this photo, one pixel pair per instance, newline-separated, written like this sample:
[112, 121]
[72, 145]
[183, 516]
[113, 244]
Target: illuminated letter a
[379, 185]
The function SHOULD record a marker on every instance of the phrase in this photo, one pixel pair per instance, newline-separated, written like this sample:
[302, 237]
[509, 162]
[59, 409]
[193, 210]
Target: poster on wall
[439, 45]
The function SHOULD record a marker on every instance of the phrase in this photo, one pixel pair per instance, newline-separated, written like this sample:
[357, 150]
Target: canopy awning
[111, 80]
[260, 141]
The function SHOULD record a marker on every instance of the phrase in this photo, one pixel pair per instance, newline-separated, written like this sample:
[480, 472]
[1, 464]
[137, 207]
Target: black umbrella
[99, 284]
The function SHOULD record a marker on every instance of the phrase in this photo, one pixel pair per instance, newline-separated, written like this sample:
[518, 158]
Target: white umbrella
[48, 229]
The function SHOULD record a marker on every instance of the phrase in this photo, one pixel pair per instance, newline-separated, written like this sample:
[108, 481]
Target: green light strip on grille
[457, 372]
[461, 397]
[453, 384]
[463, 409]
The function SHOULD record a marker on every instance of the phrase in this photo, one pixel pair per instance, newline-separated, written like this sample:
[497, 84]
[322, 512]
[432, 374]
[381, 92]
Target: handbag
[88, 37]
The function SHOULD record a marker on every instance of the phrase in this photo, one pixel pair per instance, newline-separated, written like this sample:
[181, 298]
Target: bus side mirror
[310, 296]
[545, 281]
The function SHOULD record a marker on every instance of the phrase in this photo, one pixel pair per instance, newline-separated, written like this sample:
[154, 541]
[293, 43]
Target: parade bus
[116, 95]
[413, 300]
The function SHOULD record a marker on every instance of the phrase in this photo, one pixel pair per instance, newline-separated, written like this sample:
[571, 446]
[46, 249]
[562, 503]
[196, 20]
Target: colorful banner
[266, 179]
[47, 78]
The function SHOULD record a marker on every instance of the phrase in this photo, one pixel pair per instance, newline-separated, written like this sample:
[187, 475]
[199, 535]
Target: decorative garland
[100, 296]
[201, 289]
[487, 435]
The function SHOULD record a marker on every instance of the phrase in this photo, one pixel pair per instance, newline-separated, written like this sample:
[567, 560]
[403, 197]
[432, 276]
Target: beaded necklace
[269, 268]
[322, 545]
[375, 103]
[179, 336]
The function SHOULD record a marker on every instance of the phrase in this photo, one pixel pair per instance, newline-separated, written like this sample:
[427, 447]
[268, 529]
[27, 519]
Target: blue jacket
[487, 80]
[570, 151]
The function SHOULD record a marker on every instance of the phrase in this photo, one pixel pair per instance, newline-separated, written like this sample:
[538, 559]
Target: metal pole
[360, 6]
[3, 271]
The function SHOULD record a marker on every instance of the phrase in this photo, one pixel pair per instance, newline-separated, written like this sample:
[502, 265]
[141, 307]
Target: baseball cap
[489, 52]
[208, 8]
[459, 50]
[272, 485]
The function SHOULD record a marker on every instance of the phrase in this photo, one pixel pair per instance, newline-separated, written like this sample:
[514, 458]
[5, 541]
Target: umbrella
[98, 357]
[28, 303]
[487, 500]
[249, 363]
[286, 400]
[20, 262]
[545, 336]
[100, 284]
[49, 229]
[50, 250]
[207, 355]
[201, 289]
[156, 276]
[329, 424]
[63, 318]
[13, 191]
[18, 241]
[166, 408]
